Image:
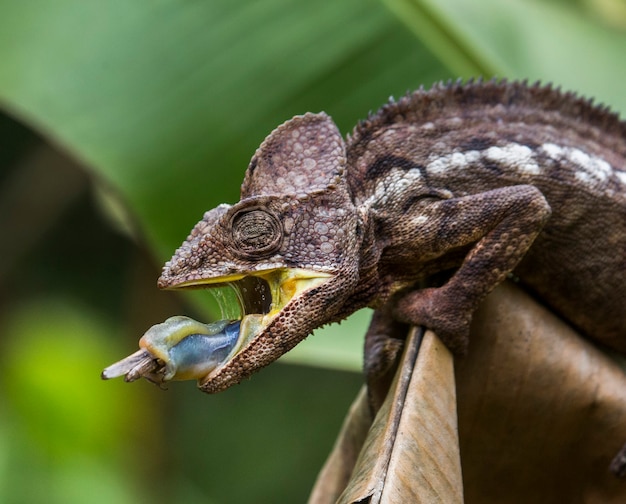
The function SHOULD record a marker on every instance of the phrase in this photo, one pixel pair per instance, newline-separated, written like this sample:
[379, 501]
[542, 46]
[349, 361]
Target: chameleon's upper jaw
[262, 295]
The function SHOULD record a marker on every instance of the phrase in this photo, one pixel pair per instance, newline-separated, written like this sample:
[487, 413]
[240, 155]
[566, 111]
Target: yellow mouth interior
[258, 297]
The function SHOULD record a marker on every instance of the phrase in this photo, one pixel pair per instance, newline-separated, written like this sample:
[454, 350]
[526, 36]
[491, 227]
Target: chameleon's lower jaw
[183, 349]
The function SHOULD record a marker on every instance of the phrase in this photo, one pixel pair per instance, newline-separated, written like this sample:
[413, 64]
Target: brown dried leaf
[335, 474]
[542, 411]
[411, 453]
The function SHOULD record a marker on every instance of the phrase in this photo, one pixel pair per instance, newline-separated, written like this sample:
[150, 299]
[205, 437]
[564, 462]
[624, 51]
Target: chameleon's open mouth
[260, 296]
[181, 348]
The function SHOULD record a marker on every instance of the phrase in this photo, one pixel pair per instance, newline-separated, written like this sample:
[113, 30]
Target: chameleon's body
[451, 185]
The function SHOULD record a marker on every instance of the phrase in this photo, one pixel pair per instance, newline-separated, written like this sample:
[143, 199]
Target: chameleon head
[282, 246]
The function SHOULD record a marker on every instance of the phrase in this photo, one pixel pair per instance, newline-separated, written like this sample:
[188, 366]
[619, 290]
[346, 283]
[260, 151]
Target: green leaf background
[164, 102]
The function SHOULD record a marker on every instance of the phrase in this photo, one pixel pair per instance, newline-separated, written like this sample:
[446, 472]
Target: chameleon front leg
[384, 342]
[499, 226]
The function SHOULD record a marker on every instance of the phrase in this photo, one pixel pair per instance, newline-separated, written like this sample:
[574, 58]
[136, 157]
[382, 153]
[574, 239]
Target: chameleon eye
[256, 232]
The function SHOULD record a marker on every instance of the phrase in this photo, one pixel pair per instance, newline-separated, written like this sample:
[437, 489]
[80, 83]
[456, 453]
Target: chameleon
[429, 204]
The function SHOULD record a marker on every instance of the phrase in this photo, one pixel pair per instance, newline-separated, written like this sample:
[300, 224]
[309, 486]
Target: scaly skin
[431, 202]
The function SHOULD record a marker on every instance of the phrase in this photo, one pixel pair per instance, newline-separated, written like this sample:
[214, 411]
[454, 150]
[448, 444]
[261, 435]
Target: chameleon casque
[428, 205]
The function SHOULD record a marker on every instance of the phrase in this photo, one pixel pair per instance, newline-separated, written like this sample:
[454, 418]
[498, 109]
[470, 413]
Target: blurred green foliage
[62, 433]
[163, 103]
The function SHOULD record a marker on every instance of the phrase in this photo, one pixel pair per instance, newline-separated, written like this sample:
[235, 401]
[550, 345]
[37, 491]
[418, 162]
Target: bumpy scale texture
[432, 201]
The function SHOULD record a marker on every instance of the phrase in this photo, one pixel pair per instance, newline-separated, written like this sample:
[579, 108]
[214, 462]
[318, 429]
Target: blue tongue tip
[191, 357]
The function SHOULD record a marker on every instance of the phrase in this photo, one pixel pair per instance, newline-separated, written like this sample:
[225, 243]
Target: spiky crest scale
[492, 92]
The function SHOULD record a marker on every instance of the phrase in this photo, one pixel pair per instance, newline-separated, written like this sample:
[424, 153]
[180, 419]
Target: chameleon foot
[434, 309]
